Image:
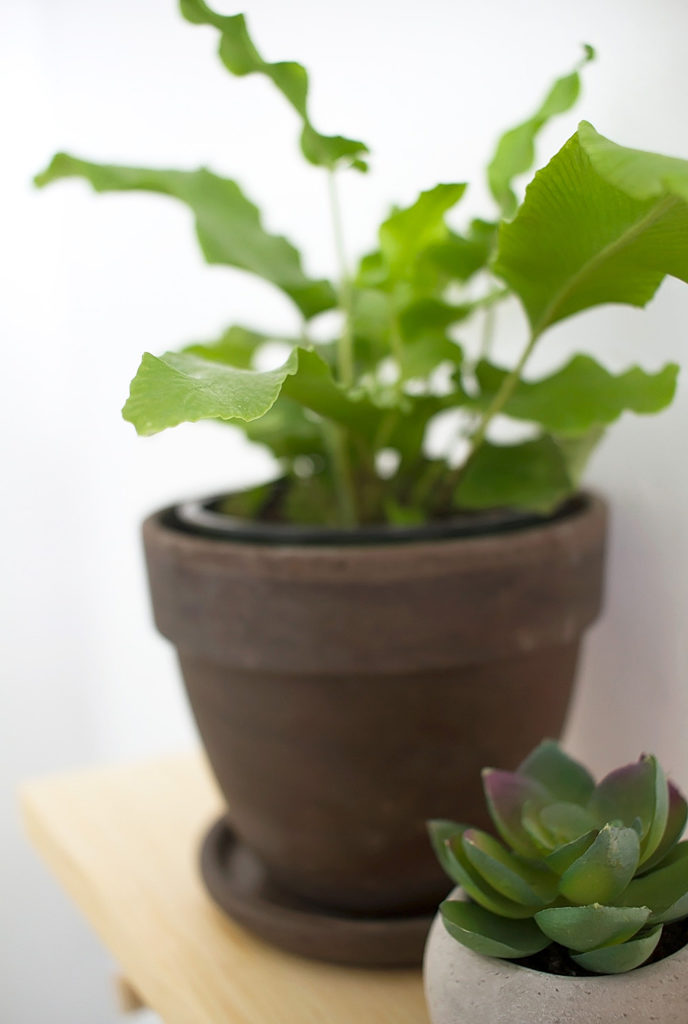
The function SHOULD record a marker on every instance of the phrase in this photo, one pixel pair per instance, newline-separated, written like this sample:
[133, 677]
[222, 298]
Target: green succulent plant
[598, 868]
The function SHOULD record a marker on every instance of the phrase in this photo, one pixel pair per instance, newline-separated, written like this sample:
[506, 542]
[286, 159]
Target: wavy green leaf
[532, 475]
[240, 56]
[407, 232]
[621, 958]
[431, 314]
[315, 388]
[489, 934]
[564, 777]
[228, 225]
[372, 314]
[459, 257]
[180, 387]
[422, 356]
[184, 387]
[237, 346]
[584, 928]
[581, 396]
[515, 152]
[600, 223]
[576, 452]
[288, 431]
[602, 873]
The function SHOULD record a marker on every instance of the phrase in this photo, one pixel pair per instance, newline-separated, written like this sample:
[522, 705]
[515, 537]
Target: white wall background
[87, 283]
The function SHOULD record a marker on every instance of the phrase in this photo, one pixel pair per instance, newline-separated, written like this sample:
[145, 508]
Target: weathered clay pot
[463, 986]
[347, 693]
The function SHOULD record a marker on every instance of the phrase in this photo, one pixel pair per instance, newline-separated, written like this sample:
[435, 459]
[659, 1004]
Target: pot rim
[200, 517]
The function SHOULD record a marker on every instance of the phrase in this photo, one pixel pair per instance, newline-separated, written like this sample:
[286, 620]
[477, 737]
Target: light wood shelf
[123, 842]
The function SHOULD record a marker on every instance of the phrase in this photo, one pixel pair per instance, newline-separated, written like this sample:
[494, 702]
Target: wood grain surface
[123, 842]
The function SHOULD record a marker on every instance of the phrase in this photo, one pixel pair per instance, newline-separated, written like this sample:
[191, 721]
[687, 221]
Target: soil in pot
[555, 959]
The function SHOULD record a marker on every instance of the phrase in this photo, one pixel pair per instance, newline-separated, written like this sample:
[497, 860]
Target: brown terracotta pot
[346, 694]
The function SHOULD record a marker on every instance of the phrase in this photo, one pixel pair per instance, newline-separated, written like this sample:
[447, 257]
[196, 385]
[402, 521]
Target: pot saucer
[239, 884]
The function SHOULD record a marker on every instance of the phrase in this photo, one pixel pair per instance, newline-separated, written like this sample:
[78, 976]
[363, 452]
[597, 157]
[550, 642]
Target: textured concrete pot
[462, 987]
[346, 693]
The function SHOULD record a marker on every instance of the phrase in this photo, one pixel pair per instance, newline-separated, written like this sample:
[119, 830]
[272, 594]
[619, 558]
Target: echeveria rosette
[598, 868]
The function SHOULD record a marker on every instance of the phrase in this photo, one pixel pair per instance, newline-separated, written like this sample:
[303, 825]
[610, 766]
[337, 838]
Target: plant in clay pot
[344, 629]
[584, 879]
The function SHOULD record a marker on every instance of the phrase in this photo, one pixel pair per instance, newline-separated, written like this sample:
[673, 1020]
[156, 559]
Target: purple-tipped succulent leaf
[637, 790]
[597, 869]
[507, 793]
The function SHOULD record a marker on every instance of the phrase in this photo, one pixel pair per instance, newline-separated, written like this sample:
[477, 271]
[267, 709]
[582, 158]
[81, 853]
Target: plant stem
[336, 436]
[345, 347]
[500, 399]
[422, 490]
[335, 439]
[488, 330]
[502, 396]
[397, 347]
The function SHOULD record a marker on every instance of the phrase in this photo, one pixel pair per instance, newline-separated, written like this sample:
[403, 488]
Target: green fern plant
[348, 418]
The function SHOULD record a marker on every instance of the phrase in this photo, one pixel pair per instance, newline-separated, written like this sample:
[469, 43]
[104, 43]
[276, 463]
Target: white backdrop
[89, 282]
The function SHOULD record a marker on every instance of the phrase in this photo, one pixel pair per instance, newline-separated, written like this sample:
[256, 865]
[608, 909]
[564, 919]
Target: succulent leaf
[564, 856]
[620, 958]
[597, 869]
[635, 791]
[602, 873]
[533, 826]
[507, 874]
[661, 888]
[675, 912]
[566, 822]
[585, 928]
[490, 934]
[565, 778]
[480, 890]
[675, 827]
[507, 793]
[440, 830]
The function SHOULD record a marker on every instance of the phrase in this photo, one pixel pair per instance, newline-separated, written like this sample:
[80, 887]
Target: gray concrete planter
[463, 987]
